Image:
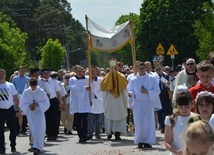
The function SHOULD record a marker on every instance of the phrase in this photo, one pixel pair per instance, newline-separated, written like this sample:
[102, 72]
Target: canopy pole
[89, 57]
[133, 48]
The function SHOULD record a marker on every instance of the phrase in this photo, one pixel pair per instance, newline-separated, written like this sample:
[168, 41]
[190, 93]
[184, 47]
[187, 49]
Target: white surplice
[36, 118]
[96, 97]
[143, 107]
[79, 96]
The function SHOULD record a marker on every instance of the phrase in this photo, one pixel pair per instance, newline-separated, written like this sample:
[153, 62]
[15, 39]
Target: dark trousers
[8, 116]
[94, 124]
[81, 124]
[52, 118]
[165, 111]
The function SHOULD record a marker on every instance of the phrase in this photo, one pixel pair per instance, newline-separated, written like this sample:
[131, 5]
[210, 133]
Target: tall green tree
[44, 19]
[53, 54]
[169, 22]
[12, 45]
[204, 31]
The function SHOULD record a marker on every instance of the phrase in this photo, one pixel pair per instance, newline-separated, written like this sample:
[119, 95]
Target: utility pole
[68, 55]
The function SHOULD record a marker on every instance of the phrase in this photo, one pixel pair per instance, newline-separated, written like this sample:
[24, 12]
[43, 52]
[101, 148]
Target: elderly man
[186, 77]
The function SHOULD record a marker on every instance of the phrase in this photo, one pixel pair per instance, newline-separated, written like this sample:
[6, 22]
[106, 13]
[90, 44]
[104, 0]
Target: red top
[198, 88]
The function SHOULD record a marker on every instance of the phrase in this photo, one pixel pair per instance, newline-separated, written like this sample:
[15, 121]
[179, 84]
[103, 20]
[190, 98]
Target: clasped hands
[33, 106]
[144, 91]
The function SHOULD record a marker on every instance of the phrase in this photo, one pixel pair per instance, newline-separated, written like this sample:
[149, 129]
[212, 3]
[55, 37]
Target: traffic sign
[160, 50]
[172, 50]
[154, 59]
[160, 58]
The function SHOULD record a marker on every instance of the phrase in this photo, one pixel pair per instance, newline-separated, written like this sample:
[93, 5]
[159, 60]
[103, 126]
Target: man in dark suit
[164, 96]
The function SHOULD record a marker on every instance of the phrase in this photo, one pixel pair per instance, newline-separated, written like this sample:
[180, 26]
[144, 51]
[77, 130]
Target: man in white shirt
[96, 106]
[52, 114]
[8, 96]
[79, 102]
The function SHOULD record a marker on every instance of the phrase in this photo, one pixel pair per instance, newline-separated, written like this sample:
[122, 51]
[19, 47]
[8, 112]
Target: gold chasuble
[114, 82]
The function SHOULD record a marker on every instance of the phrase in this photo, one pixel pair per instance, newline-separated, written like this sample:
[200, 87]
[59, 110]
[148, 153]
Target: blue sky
[103, 12]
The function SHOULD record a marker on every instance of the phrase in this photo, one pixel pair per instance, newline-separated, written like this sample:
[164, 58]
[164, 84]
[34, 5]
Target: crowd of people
[179, 102]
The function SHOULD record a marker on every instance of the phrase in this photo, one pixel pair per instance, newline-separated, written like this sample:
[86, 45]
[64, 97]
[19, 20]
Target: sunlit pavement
[69, 145]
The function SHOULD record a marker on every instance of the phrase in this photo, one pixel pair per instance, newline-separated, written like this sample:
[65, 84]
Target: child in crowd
[205, 73]
[199, 137]
[177, 122]
[34, 102]
[205, 104]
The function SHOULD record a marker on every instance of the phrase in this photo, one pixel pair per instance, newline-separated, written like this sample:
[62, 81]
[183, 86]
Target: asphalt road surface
[69, 145]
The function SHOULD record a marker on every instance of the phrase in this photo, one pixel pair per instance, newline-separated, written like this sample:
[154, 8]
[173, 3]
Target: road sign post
[160, 53]
[172, 52]
[160, 50]
[172, 57]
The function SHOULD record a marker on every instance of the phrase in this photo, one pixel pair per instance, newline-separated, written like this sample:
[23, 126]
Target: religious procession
[113, 101]
[140, 98]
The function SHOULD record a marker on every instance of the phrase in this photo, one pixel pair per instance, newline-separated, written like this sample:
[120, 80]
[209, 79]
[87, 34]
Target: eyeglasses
[67, 78]
[158, 69]
[190, 64]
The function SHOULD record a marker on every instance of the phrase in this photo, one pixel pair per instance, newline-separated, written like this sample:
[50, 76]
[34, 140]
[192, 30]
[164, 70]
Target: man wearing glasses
[187, 76]
[143, 90]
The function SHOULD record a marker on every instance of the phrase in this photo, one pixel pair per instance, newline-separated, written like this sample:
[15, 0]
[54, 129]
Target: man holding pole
[79, 102]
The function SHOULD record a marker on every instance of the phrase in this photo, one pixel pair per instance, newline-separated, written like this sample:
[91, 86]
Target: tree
[169, 22]
[53, 54]
[204, 31]
[44, 19]
[12, 45]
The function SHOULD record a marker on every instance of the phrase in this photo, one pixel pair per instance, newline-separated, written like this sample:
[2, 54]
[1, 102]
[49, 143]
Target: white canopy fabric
[109, 40]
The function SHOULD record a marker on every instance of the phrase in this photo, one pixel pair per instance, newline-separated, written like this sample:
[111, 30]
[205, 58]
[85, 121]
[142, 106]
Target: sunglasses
[67, 78]
[190, 64]
[158, 69]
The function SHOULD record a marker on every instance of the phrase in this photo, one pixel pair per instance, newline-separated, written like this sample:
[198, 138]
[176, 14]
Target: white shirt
[178, 130]
[54, 85]
[79, 96]
[63, 92]
[44, 85]
[130, 76]
[96, 97]
[7, 91]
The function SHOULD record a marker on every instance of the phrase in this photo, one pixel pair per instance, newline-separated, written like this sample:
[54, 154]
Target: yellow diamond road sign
[160, 50]
[172, 50]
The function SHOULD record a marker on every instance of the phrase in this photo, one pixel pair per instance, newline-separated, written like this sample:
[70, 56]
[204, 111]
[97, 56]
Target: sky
[103, 12]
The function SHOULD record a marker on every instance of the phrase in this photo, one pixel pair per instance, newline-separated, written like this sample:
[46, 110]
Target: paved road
[68, 145]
